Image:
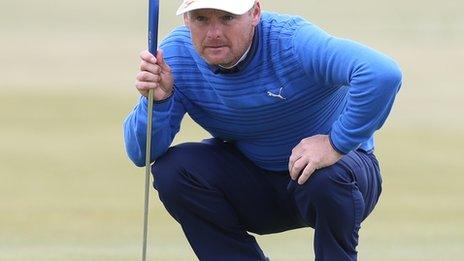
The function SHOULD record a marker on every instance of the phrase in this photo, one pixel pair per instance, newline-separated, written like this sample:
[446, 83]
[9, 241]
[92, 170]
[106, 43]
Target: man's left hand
[310, 154]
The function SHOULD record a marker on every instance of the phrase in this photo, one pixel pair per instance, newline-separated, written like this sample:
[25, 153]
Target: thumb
[161, 62]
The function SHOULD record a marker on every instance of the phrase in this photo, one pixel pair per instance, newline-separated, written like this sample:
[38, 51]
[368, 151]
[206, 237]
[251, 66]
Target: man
[292, 111]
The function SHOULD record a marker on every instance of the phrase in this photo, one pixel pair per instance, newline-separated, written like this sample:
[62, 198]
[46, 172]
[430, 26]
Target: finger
[296, 154]
[291, 162]
[147, 77]
[307, 172]
[161, 62]
[142, 91]
[145, 55]
[145, 86]
[298, 166]
[150, 67]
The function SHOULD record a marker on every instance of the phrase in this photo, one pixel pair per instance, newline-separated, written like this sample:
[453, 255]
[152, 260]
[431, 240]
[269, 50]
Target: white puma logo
[271, 94]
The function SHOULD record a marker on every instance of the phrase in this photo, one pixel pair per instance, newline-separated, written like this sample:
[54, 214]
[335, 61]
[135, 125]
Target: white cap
[237, 7]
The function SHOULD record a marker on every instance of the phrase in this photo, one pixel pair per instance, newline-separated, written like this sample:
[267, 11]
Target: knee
[318, 187]
[331, 183]
[168, 175]
[180, 171]
[329, 190]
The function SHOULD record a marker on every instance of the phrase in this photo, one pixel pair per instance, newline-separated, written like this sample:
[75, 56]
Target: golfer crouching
[292, 111]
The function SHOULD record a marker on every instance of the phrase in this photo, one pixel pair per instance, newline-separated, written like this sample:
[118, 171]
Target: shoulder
[179, 34]
[288, 24]
[276, 23]
[278, 18]
[177, 42]
[284, 29]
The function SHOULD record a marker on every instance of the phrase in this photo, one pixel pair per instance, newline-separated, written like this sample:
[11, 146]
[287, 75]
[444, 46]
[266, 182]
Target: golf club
[153, 14]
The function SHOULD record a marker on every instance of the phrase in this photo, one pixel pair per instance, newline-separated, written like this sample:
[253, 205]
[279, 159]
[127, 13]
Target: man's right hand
[154, 74]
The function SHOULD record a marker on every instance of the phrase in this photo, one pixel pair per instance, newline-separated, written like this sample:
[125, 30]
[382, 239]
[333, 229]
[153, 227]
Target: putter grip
[153, 14]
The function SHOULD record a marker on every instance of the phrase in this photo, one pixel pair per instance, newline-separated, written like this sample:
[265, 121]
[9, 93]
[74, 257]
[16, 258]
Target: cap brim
[237, 7]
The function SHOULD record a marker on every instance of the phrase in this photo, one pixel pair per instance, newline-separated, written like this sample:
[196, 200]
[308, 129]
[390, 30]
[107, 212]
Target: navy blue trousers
[217, 195]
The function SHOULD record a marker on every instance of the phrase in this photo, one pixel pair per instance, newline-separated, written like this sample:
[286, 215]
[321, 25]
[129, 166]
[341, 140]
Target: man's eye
[200, 18]
[227, 17]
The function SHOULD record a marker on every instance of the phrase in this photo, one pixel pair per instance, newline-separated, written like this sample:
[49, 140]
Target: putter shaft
[147, 173]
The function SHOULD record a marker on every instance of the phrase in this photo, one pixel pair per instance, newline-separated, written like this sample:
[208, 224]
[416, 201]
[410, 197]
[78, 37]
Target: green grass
[68, 192]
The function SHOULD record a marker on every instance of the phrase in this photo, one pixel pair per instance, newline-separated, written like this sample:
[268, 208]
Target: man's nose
[214, 31]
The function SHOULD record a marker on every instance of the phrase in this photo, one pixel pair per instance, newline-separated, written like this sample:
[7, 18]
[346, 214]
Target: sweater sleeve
[167, 116]
[373, 80]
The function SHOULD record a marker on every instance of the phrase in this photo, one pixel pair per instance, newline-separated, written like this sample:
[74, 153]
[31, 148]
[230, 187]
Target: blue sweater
[297, 81]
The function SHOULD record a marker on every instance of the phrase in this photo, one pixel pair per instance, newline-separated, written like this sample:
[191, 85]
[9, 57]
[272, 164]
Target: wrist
[168, 97]
[334, 147]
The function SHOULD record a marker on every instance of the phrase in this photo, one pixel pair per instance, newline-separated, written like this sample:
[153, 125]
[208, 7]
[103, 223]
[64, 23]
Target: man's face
[219, 37]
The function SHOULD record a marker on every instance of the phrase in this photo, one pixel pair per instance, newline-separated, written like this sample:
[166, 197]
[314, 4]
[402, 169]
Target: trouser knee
[181, 171]
[330, 192]
[168, 176]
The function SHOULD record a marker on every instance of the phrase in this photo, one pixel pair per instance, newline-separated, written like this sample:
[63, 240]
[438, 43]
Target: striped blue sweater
[297, 81]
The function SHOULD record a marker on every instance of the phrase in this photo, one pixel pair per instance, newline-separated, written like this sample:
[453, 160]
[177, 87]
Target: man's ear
[256, 14]
[186, 19]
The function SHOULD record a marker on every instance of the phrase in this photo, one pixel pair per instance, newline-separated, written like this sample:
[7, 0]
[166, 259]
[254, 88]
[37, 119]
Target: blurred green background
[68, 192]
